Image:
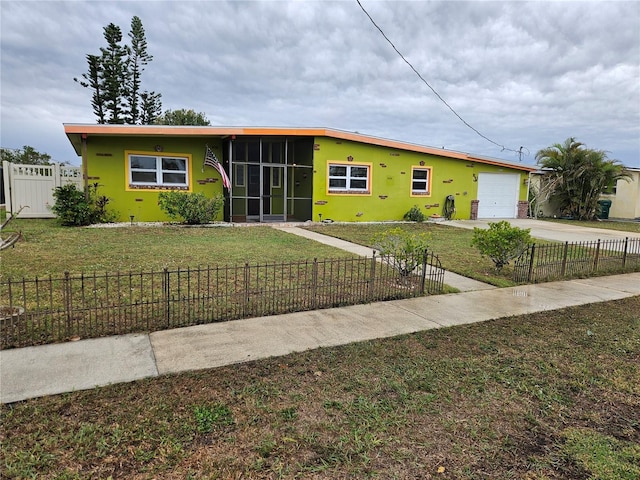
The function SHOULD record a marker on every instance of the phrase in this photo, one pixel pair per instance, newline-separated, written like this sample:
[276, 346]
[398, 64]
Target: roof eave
[75, 131]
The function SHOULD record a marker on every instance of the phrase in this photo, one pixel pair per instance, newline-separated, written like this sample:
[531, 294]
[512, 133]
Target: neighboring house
[625, 197]
[540, 206]
[293, 174]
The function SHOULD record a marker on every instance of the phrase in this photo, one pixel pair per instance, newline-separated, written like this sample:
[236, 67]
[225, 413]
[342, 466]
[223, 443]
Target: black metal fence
[540, 263]
[47, 310]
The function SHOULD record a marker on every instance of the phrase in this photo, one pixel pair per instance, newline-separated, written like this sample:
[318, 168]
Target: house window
[349, 178]
[420, 181]
[158, 171]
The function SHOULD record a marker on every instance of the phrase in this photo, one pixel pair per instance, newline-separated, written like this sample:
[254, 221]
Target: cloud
[522, 73]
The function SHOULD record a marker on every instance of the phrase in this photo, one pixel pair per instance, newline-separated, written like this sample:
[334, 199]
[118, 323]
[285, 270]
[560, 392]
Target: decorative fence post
[314, 283]
[564, 259]
[424, 270]
[372, 280]
[624, 254]
[66, 292]
[165, 296]
[595, 260]
[245, 296]
[531, 262]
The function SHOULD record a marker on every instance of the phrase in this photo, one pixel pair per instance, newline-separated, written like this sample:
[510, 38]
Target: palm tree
[577, 176]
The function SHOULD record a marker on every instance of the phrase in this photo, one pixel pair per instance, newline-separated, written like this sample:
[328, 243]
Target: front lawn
[552, 395]
[49, 249]
[451, 244]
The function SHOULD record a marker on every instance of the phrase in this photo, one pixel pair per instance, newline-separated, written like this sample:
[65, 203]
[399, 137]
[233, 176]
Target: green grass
[451, 244]
[551, 395]
[604, 456]
[48, 248]
[51, 250]
[606, 224]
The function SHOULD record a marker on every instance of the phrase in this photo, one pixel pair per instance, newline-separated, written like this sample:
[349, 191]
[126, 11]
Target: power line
[519, 151]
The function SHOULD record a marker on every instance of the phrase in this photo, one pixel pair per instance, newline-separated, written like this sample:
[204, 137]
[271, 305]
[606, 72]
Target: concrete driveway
[559, 232]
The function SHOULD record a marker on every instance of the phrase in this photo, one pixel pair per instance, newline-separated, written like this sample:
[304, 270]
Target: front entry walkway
[463, 284]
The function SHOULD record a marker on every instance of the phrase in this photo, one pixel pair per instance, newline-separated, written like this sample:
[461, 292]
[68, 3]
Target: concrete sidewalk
[37, 371]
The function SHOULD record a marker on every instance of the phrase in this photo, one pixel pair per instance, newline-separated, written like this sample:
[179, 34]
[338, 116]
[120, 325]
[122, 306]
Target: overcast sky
[527, 74]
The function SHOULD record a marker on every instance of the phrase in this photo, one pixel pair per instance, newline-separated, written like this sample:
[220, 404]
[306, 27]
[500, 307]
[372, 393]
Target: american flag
[211, 160]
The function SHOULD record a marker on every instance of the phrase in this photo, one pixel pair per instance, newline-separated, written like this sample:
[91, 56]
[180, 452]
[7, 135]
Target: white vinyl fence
[32, 186]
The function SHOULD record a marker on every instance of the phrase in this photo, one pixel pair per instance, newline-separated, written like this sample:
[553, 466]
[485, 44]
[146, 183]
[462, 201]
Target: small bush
[501, 242]
[190, 208]
[415, 215]
[74, 208]
[405, 248]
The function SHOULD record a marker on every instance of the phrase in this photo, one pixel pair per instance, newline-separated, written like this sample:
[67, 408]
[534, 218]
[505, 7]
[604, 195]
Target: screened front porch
[271, 179]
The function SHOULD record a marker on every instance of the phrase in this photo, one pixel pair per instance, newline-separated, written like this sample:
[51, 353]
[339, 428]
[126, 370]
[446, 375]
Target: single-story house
[625, 196]
[293, 174]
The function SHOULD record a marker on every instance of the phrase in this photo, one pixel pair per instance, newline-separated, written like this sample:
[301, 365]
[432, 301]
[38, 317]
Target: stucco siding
[398, 175]
[389, 197]
[107, 166]
[625, 203]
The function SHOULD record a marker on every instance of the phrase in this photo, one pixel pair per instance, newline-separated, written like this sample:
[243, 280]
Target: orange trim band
[196, 131]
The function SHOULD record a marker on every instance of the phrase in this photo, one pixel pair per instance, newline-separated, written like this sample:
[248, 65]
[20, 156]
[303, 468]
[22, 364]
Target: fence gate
[32, 186]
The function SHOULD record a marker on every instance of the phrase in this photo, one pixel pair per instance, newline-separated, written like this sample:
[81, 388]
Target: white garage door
[498, 195]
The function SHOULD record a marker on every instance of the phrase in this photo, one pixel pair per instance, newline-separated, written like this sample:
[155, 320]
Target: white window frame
[159, 172]
[426, 182]
[348, 178]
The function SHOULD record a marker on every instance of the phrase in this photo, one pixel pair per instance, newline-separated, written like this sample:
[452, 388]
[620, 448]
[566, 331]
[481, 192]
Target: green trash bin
[605, 206]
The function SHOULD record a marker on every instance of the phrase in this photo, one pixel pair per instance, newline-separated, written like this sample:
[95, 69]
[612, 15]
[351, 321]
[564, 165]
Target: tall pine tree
[114, 76]
[138, 58]
[94, 79]
[150, 107]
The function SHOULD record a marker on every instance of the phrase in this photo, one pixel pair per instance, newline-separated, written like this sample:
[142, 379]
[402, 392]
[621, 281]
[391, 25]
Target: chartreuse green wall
[389, 197]
[390, 193]
[107, 166]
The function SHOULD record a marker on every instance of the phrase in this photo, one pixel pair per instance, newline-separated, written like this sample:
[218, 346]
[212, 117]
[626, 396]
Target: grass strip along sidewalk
[549, 395]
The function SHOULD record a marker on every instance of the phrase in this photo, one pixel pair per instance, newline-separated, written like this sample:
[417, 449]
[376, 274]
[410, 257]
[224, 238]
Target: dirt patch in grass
[492, 400]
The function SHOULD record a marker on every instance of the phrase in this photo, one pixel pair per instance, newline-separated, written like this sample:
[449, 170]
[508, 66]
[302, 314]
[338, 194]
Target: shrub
[74, 208]
[190, 208]
[404, 248]
[501, 242]
[415, 215]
